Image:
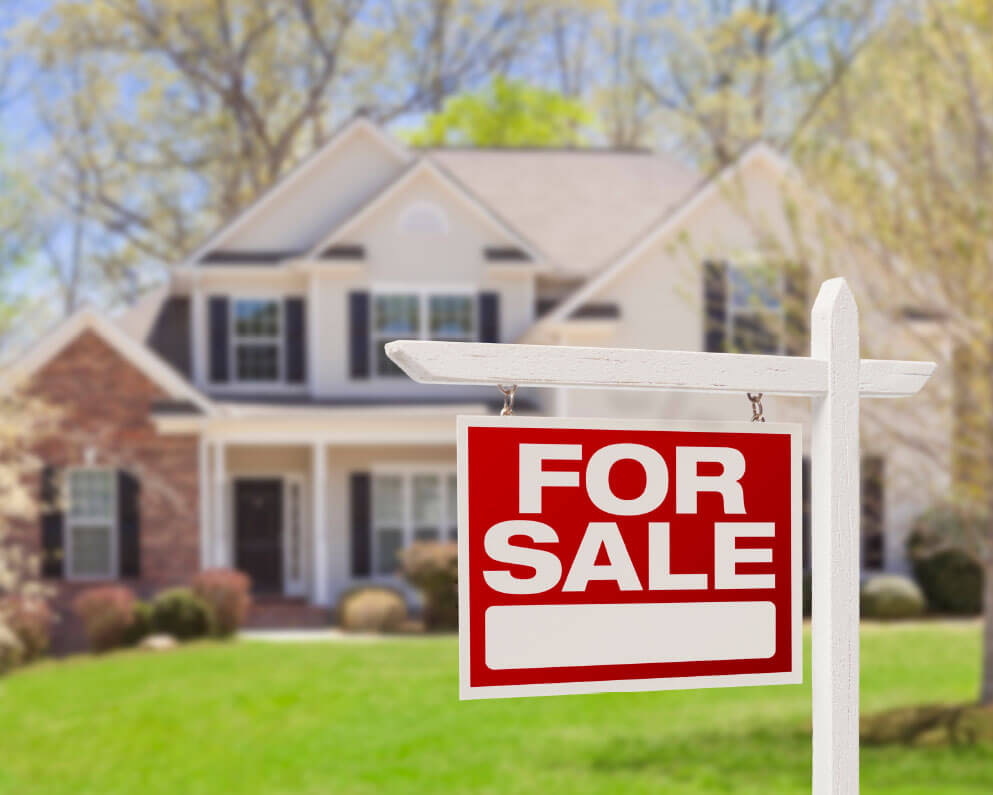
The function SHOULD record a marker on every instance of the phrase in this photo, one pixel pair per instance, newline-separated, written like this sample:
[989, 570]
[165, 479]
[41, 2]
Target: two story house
[245, 415]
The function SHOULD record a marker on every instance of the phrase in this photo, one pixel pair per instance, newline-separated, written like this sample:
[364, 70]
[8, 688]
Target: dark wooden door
[258, 511]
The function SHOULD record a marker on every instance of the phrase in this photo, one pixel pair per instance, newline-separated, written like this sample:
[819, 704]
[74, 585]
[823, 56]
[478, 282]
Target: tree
[903, 148]
[506, 113]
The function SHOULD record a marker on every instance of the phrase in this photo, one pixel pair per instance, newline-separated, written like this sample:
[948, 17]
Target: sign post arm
[835, 538]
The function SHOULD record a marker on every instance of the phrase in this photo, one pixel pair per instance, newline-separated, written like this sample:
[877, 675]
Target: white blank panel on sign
[552, 636]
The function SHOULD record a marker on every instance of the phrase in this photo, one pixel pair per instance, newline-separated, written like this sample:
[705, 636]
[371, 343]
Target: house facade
[246, 416]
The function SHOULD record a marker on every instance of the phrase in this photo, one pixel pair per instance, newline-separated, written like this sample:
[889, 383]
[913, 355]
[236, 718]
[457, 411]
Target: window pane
[256, 318]
[451, 317]
[387, 500]
[426, 534]
[427, 501]
[91, 494]
[257, 362]
[389, 544]
[755, 333]
[396, 316]
[90, 551]
[754, 288]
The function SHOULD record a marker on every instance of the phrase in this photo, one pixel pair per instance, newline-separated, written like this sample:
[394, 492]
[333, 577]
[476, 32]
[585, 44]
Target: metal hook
[508, 399]
[757, 412]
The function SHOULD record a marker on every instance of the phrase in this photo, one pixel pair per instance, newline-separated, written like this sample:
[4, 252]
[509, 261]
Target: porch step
[277, 612]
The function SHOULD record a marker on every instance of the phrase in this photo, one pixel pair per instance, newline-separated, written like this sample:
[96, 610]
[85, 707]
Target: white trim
[111, 522]
[668, 225]
[142, 357]
[320, 588]
[793, 676]
[425, 165]
[294, 586]
[359, 124]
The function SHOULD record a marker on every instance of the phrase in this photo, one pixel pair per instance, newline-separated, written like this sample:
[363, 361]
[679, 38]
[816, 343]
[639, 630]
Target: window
[755, 309]
[91, 524]
[409, 507]
[257, 340]
[450, 317]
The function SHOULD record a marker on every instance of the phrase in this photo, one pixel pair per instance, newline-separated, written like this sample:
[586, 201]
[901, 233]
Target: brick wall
[102, 403]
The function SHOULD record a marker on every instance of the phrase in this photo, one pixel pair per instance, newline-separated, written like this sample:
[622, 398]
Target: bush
[951, 579]
[433, 568]
[11, 649]
[181, 613]
[141, 625]
[228, 594]
[107, 613]
[372, 609]
[889, 596]
[808, 593]
[30, 619]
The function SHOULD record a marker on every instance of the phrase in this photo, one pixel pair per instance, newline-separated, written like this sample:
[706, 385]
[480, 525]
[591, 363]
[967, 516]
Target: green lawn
[384, 717]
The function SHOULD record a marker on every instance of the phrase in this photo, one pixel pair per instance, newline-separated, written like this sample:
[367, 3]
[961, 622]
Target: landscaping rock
[159, 642]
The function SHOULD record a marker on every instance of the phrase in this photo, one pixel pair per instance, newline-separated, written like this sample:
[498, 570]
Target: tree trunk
[986, 676]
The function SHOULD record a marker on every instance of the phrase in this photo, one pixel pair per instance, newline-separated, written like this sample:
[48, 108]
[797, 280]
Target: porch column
[203, 477]
[219, 530]
[319, 486]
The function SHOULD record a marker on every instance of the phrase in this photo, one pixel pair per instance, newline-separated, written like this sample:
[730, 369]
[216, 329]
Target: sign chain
[508, 399]
[757, 412]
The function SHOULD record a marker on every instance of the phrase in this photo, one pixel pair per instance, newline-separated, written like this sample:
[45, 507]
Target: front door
[258, 511]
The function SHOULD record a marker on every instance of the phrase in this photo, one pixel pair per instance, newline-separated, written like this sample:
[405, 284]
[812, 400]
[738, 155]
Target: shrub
[808, 593]
[31, 619]
[433, 568]
[11, 649]
[889, 596]
[141, 625]
[107, 613]
[228, 594]
[951, 579]
[181, 613]
[372, 609]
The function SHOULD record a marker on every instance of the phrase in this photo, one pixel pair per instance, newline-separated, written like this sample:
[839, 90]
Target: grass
[384, 717]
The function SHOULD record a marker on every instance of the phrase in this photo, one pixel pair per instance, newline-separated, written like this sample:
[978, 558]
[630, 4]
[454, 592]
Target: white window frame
[235, 339]
[423, 331]
[407, 475]
[731, 311]
[71, 523]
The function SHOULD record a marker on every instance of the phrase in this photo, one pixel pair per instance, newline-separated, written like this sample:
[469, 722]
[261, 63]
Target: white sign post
[834, 378]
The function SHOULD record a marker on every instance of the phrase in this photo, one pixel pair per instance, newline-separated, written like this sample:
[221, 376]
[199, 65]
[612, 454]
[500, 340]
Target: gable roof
[668, 223]
[353, 127]
[581, 207]
[427, 165]
[135, 352]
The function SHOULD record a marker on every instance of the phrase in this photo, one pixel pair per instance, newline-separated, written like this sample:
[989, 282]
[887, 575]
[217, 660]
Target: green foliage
[433, 568]
[181, 613]
[372, 609]
[507, 113]
[141, 624]
[951, 578]
[891, 596]
[11, 649]
[31, 619]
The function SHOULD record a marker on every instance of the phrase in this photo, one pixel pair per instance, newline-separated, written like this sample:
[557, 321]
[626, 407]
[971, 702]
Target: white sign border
[794, 676]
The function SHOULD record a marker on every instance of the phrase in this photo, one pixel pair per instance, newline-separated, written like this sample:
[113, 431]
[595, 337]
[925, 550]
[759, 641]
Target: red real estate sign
[605, 555]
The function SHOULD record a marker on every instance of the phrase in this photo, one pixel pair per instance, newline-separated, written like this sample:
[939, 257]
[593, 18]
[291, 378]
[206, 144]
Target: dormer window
[256, 340]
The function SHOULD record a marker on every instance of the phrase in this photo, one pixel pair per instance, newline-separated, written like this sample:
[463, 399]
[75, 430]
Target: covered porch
[312, 502]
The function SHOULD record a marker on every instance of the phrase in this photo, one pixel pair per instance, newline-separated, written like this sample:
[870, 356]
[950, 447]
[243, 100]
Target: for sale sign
[603, 555]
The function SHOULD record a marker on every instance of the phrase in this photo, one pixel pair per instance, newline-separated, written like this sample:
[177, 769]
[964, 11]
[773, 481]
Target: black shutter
[129, 524]
[51, 524]
[296, 341]
[873, 550]
[489, 317]
[361, 515]
[218, 328]
[715, 306]
[806, 556]
[796, 312]
[358, 334]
